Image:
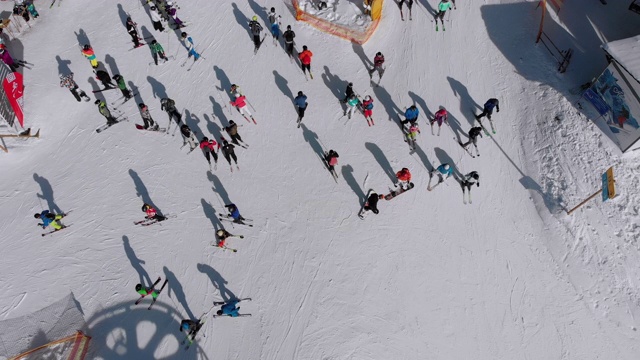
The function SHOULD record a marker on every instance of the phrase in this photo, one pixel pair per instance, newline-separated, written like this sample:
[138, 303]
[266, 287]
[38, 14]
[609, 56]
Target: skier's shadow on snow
[217, 113]
[417, 100]
[159, 91]
[334, 83]
[426, 5]
[241, 19]
[192, 121]
[136, 93]
[443, 157]
[224, 80]
[312, 139]
[390, 107]
[347, 174]
[454, 124]
[218, 187]
[176, 289]
[423, 157]
[148, 38]
[123, 15]
[141, 190]
[210, 213]
[218, 281]
[283, 85]
[95, 86]
[357, 48]
[135, 262]
[113, 67]
[82, 38]
[262, 13]
[467, 104]
[47, 193]
[382, 160]
[63, 65]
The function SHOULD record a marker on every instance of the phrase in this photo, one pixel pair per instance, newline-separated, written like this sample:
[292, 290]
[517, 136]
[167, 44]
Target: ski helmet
[231, 122]
[405, 169]
[300, 93]
[379, 53]
[446, 167]
[153, 42]
[254, 18]
[185, 326]
[367, 98]
[288, 27]
[233, 86]
[97, 102]
[273, 9]
[153, 8]
[350, 84]
[36, 215]
[205, 139]
[138, 287]
[169, 3]
[220, 232]
[61, 76]
[184, 34]
[304, 47]
[128, 18]
[141, 105]
[86, 47]
[219, 312]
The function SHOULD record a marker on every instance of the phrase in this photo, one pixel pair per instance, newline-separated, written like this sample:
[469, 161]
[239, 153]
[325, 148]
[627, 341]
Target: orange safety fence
[353, 35]
[78, 352]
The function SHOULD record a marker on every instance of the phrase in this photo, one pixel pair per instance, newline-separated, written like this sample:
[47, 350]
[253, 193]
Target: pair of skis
[466, 149]
[147, 222]
[331, 169]
[244, 221]
[464, 199]
[363, 211]
[52, 231]
[152, 292]
[108, 125]
[226, 247]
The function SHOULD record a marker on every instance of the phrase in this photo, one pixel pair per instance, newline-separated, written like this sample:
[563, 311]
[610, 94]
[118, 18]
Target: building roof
[627, 53]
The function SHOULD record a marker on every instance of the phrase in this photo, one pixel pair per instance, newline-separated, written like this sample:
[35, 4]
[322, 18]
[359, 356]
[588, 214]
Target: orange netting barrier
[78, 351]
[353, 35]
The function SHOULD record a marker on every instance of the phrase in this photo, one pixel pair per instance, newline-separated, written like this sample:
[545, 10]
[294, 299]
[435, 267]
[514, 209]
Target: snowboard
[395, 193]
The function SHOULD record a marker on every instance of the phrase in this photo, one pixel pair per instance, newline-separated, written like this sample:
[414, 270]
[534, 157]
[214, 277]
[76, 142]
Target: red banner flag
[14, 89]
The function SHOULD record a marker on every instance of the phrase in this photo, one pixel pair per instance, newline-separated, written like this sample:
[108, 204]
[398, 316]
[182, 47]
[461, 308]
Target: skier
[133, 32]
[367, 106]
[234, 213]
[348, 92]
[255, 29]
[171, 11]
[32, 10]
[473, 137]
[442, 171]
[188, 137]
[187, 41]
[440, 117]
[68, 82]
[289, 35]
[144, 291]
[209, 149]
[88, 52]
[122, 86]
[157, 51]
[367, 6]
[442, 9]
[274, 19]
[411, 115]
[229, 153]
[413, 132]
[229, 309]
[235, 91]
[49, 218]
[232, 130]
[470, 179]
[104, 111]
[409, 5]
[332, 159]
[301, 105]
[151, 212]
[156, 19]
[190, 327]
[488, 109]
[241, 105]
[221, 238]
[104, 78]
[352, 103]
[170, 107]
[404, 178]
[378, 61]
[305, 60]
[372, 203]
[146, 117]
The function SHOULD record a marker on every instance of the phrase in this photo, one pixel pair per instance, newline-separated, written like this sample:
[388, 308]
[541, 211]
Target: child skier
[468, 181]
[235, 91]
[68, 82]
[241, 105]
[404, 178]
[221, 239]
[229, 309]
[188, 137]
[122, 86]
[232, 130]
[439, 117]
[235, 213]
[209, 149]
[144, 291]
[49, 218]
[104, 111]
[151, 212]
[412, 134]
[332, 159]
[88, 52]
[305, 60]
[411, 115]
[301, 105]
[352, 103]
[146, 117]
[157, 51]
[229, 153]
[170, 107]
[133, 32]
[378, 61]
[171, 11]
[190, 327]
[367, 106]
[187, 41]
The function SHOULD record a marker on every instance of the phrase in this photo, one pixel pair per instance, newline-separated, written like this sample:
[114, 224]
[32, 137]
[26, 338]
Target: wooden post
[37, 135]
[4, 149]
[584, 202]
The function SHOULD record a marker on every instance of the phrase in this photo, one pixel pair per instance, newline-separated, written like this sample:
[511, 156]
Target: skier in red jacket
[241, 104]
[305, 59]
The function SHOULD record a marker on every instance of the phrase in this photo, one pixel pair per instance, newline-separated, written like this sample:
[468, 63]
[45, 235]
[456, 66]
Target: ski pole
[252, 108]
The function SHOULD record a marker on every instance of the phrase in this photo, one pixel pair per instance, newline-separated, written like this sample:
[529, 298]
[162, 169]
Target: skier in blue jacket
[229, 309]
[49, 218]
[488, 109]
[301, 104]
[443, 171]
[411, 115]
[235, 213]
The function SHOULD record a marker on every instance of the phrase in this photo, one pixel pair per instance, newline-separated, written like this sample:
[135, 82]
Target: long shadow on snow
[382, 160]
[334, 83]
[262, 13]
[468, 106]
[47, 193]
[211, 214]
[123, 16]
[454, 125]
[159, 91]
[390, 107]
[218, 187]
[347, 174]
[426, 5]
[283, 85]
[357, 49]
[312, 139]
[213, 128]
[176, 289]
[192, 122]
[423, 157]
[141, 190]
[148, 37]
[135, 262]
[218, 281]
[134, 343]
[63, 66]
[225, 84]
[443, 157]
[417, 100]
[218, 113]
[82, 38]
[136, 93]
[241, 19]
[94, 87]
[113, 67]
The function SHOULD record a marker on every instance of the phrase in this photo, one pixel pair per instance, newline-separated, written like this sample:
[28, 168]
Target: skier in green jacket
[158, 51]
[122, 86]
[442, 9]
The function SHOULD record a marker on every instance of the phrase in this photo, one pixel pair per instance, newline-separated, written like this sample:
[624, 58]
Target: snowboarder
[348, 92]
[378, 61]
[274, 19]
[104, 78]
[229, 309]
[68, 82]
[255, 29]
[171, 11]
[352, 103]
[404, 178]
[411, 115]
[289, 35]
[372, 202]
[443, 6]
[151, 212]
[88, 52]
[229, 153]
[104, 111]
[133, 32]
[488, 109]
[209, 149]
[146, 117]
[49, 218]
[473, 137]
[170, 107]
[439, 117]
[367, 109]
[188, 137]
[232, 130]
[241, 105]
[305, 60]
[442, 171]
[187, 41]
[122, 86]
[301, 105]
[156, 19]
[332, 159]
[234, 213]
[157, 51]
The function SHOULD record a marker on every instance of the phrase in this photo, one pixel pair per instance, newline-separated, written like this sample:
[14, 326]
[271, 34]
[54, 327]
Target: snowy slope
[509, 277]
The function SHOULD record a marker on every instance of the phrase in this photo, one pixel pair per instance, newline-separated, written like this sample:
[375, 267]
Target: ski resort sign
[608, 188]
